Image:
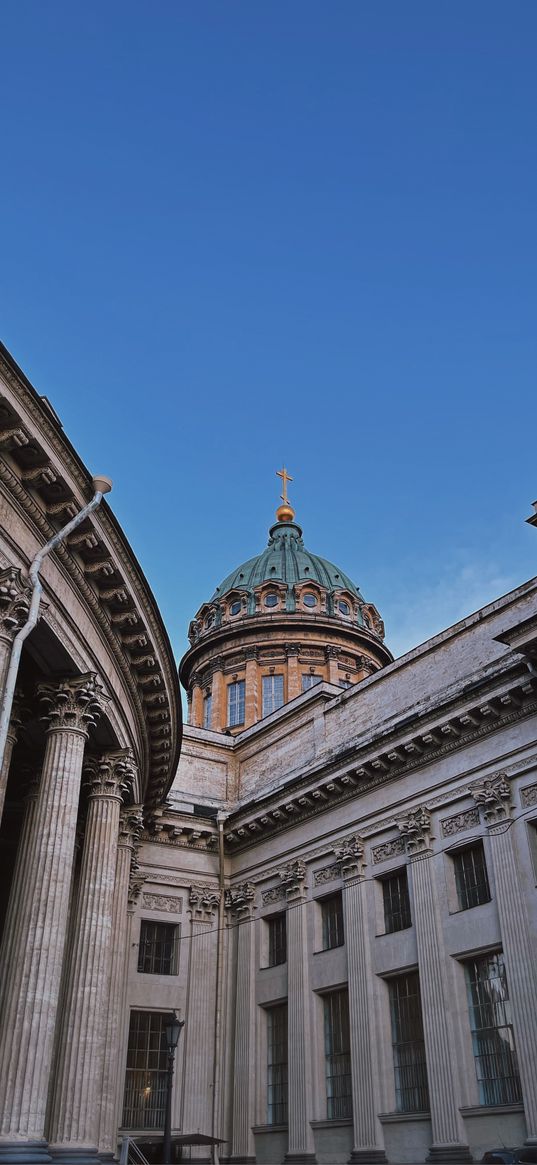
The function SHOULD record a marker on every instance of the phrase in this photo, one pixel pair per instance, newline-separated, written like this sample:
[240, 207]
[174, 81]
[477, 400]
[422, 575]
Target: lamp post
[172, 1030]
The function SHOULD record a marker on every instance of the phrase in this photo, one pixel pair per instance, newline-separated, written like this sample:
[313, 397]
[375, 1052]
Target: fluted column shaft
[129, 832]
[301, 1146]
[243, 1146]
[74, 1122]
[11, 740]
[368, 1142]
[33, 976]
[11, 938]
[199, 1049]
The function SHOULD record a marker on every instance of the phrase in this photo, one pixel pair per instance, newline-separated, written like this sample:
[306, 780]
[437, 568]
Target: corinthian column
[368, 1140]
[201, 1002]
[74, 1121]
[493, 795]
[33, 976]
[21, 872]
[242, 901]
[447, 1128]
[130, 831]
[301, 1147]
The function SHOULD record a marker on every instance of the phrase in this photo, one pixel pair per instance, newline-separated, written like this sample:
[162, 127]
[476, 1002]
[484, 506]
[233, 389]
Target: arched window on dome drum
[310, 600]
[235, 704]
[272, 694]
[271, 600]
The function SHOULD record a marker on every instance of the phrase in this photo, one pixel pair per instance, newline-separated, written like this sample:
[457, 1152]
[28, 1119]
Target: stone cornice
[335, 781]
[48, 481]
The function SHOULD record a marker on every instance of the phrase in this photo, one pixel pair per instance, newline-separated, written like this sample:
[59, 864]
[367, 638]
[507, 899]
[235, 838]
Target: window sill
[323, 950]
[465, 909]
[270, 1128]
[338, 1122]
[390, 1118]
[484, 1109]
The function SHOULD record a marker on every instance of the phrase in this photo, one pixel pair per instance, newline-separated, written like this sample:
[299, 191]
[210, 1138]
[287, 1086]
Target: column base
[74, 1154]
[448, 1153]
[300, 1158]
[368, 1157]
[34, 1152]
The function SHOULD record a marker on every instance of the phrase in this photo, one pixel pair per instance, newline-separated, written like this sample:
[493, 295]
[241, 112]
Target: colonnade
[58, 1088]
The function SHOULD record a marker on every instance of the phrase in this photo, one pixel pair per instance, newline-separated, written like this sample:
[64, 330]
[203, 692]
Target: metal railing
[131, 1154]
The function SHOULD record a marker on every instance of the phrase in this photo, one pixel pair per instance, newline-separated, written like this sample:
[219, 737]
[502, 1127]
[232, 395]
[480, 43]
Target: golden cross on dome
[285, 478]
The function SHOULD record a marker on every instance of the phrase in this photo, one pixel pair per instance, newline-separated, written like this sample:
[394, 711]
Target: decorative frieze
[528, 796]
[468, 819]
[493, 794]
[162, 902]
[327, 874]
[416, 829]
[388, 849]
[273, 894]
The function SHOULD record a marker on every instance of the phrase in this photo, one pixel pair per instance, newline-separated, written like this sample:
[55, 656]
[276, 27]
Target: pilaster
[251, 705]
[294, 687]
[332, 658]
[447, 1128]
[241, 902]
[33, 976]
[301, 1146]
[219, 705]
[201, 1001]
[493, 795]
[368, 1138]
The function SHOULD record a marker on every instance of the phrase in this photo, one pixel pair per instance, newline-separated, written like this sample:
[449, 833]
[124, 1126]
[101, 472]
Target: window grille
[277, 1065]
[337, 1055]
[396, 902]
[332, 920]
[309, 681]
[146, 1076]
[410, 1069]
[235, 703]
[277, 940]
[272, 694]
[492, 1031]
[471, 876]
[207, 710]
[157, 953]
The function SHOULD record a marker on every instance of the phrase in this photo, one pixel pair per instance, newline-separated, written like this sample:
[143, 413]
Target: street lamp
[172, 1030]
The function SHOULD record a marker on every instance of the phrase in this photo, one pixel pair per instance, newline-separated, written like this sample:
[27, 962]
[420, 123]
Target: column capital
[241, 899]
[111, 774]
[416, 830]
[332, 652]
[72, 704]
[203, 901]
[15, 595]
[251, 653]
[350, 852]
[292, 877]
[292, 649]
[131, 826]
[493, 795]
[136, 881]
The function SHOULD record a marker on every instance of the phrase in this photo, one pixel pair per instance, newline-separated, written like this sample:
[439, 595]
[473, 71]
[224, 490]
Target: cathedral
[328, 875]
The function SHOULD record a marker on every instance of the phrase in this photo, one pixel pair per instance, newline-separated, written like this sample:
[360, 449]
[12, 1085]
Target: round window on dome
[235, 608]
[310, 600]
[344, 607]
[271, 600]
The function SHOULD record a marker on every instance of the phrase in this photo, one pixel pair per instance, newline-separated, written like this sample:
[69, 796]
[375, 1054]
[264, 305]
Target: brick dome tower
[278, 624]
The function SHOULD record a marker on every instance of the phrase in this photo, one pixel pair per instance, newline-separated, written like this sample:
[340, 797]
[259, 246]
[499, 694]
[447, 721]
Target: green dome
[286, 560]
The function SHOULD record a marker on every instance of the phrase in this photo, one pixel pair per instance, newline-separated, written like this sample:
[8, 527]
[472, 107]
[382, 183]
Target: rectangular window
[532, 840]
[277, 1065]
[411, 1091]
[332, 920]
[396, 902]
[337, 1055]
[272, 694]
[277, 940]
[159, 944]
[471, 876]
[235, 703]
[207, 710]
[145, 1082]
[492, 1031]
[310, 682]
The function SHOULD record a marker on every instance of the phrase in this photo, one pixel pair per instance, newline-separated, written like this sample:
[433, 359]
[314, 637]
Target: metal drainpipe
[221, 817]
[102, 485]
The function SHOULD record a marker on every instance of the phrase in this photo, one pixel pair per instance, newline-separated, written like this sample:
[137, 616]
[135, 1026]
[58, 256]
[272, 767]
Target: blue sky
[240, 234]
